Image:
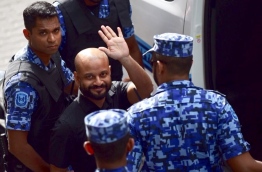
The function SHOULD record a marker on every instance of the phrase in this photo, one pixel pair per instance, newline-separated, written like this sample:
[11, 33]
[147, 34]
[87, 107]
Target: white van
[152, 17]
[227, 50]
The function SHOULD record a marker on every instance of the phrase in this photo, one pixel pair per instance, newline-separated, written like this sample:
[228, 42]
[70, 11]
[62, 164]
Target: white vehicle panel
[152, 17]
[194, 27]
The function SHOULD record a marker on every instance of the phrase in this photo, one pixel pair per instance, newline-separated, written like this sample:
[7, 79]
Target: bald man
[96, 92]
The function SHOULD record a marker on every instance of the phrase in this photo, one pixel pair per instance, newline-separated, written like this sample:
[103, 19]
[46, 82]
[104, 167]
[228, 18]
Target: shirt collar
[173, 84]
[88, 105]
[27, 54]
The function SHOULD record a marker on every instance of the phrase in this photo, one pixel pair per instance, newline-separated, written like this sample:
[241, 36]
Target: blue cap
[172, 44]
[106, 126]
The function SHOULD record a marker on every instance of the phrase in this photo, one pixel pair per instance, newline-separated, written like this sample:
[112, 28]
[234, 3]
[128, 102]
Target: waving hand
[116, 45]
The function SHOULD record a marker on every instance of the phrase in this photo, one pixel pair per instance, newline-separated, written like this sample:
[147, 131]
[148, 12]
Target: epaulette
[217, 92]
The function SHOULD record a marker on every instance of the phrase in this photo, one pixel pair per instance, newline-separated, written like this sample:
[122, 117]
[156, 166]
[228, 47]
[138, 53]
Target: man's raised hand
[116, 45]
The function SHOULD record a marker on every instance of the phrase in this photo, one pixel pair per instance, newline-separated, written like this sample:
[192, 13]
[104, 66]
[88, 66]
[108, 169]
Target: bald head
[90, 57]
[93, 74]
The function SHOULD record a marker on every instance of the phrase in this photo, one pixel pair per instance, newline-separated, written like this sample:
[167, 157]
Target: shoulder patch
[21, 99]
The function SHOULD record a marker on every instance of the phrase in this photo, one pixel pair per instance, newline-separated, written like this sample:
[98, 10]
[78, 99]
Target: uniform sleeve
[67, 72]
[230, 138]
[21, 100]
[60, 145]
[134, 157]
[128, 31]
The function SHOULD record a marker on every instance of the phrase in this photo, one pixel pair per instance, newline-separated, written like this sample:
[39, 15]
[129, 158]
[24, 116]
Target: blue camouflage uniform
[19, 114]
[184, 128]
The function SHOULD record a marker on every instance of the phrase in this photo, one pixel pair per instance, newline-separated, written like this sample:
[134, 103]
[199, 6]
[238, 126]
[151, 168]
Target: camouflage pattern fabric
[184, 128]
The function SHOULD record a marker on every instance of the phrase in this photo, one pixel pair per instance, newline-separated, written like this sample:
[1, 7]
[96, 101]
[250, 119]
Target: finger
[104, 50]
[106, 31]
[113, 34]
[120, 34]
[103, 36]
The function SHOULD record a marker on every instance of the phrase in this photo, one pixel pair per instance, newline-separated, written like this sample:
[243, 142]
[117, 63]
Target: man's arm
[61, 147]
[244, 163]
[19, 147]
[140, 79]
[233, 147]
[71, 87]
[118, 49]
[16, 115]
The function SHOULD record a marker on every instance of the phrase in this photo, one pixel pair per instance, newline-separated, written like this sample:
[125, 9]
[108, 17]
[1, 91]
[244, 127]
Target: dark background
[233, 55]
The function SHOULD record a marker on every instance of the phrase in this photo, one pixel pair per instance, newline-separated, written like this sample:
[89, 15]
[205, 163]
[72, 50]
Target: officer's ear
[26, 34]
[88, 148]
[161, 67]
[130, 144]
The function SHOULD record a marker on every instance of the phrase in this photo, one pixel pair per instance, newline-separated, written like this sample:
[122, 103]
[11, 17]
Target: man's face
[45, 37]
[94, 79]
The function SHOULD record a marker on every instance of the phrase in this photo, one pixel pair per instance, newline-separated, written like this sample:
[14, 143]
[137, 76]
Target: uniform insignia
[21, 99]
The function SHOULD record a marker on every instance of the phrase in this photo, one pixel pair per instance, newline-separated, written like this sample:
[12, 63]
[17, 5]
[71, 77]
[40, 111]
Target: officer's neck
[106, 165]
[45, 58]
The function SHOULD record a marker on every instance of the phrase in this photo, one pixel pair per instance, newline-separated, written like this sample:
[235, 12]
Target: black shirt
[69, 135]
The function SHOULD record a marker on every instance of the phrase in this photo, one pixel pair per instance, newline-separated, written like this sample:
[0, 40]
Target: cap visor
[150, 50]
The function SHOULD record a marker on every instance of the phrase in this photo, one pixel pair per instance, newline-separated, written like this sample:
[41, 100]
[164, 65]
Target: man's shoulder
[74, 113]
[70, 111]
[69, 119]
[146, 104]
[215, 96]
[215, 92]
[119, 85]
[163, 99]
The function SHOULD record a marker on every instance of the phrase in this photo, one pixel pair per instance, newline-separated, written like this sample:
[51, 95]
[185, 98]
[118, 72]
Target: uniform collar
[173, 84]
[27, 54]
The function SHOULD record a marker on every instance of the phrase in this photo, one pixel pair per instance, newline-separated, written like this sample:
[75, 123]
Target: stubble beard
[87, 92]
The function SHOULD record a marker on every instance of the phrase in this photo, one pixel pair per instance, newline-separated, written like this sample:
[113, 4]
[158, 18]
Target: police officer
[108, 139]
[34, 90]
[80, 21]
[182, 127]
